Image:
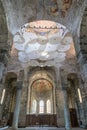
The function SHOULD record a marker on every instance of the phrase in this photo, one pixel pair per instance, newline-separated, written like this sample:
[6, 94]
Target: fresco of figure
[66, 6]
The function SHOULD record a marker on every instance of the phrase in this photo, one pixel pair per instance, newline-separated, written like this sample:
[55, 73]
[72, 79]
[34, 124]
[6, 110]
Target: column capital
[20, 75]
[63, 76]
[64, 87]
[19, 84]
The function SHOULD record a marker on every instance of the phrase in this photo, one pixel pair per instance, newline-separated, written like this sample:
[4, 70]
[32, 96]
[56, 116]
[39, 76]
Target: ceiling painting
[42, 43]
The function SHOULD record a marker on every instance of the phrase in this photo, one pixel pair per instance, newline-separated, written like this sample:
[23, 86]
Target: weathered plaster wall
[82, 56]
[3, 35]
[19, 13]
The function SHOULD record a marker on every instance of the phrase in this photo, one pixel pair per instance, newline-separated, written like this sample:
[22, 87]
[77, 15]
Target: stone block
[3, 38]
[1, 10]
[85, 70]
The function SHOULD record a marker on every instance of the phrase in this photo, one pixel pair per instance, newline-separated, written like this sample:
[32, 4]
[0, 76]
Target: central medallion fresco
[42, 43]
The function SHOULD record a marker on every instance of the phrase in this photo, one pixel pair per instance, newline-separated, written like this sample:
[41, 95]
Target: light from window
[79, 93]
[34, 106]
[41, 106]
[48, 106]
[3, 94]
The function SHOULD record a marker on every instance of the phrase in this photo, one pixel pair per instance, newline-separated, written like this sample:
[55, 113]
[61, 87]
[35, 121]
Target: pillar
[66, 110]
[17, 106]
[1, 70]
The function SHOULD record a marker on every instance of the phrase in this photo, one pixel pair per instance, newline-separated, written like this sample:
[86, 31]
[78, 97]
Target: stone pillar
[63, 75]
[17, 106]
[66, 110]
[1, 70]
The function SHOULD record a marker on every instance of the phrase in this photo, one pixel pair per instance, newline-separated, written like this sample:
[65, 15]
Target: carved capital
[19, 84]
[64, 86]
[63, 75]
[20, 75]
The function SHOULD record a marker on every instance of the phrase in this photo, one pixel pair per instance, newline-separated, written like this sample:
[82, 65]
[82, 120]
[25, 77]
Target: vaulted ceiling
[15, 13]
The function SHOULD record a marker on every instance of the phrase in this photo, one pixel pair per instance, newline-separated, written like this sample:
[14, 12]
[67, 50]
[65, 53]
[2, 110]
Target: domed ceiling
[42, 43]
[41, 85]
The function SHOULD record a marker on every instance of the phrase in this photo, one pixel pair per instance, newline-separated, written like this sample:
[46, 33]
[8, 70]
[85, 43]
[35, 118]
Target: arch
[10, 78]
[36, 92]
[42, 83]
[11, 75]
[37, 74]
[72, 76]
[9, 96]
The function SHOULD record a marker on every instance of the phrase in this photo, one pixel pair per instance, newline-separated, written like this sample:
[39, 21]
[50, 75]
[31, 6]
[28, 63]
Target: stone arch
[9, 98]
[49, 73]
[10, 78]
[45, 92]
[75, 99]
[72, 76]
[37, 75]
[46, 82]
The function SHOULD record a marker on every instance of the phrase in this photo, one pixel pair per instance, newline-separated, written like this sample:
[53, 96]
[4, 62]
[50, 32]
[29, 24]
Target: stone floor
[44, 128]
[49, 128]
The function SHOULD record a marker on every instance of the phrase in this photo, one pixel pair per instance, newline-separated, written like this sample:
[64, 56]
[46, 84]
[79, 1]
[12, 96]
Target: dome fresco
[44, 40]
[41, 85]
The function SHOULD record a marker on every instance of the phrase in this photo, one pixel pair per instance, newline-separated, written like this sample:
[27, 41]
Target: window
[79, 93]
[34, 106]
[41, 106]
[3, 94]
[48, 106]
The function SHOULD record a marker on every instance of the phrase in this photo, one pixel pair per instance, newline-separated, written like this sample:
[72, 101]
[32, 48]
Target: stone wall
[83, 45]
[3, 35]
[3, 51]
[83, 66]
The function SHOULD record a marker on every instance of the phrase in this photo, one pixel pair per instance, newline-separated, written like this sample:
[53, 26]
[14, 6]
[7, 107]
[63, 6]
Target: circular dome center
[41, 26]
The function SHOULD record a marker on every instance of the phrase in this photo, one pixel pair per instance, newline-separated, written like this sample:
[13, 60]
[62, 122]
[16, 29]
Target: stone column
[66, 110]
[1, 70]
[17, 106]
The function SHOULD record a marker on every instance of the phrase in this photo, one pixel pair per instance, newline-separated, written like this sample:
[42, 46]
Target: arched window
[48, 106]
[80, 97]
[41, 106]
[3, 95]
[34, 106]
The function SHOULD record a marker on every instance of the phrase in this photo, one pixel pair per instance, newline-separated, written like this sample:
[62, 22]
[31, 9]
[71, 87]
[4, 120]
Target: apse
[42, 43]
